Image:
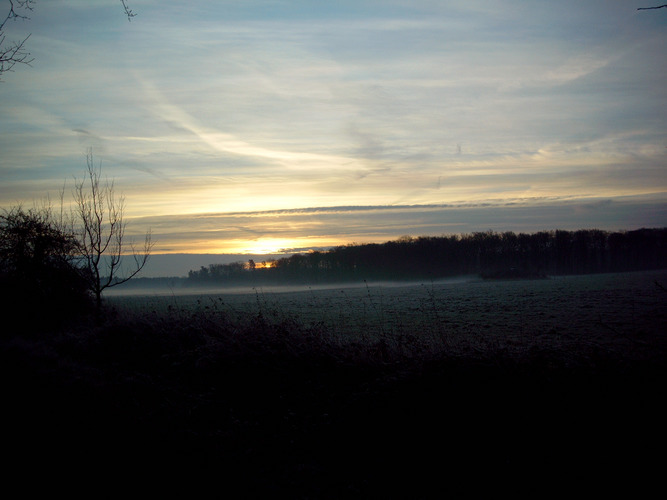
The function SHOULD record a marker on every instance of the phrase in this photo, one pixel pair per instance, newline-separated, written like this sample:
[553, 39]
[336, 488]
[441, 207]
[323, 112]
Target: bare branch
[101, 234]
[128, 12]
[14, 53]
[652, 8]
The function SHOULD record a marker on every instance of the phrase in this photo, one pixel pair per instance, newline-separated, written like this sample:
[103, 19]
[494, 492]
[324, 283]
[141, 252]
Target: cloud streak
[258, 111]
[277, 231]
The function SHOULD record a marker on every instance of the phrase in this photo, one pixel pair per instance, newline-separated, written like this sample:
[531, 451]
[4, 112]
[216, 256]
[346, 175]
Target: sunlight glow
[267, 246]
[265, 264]
[343, 122]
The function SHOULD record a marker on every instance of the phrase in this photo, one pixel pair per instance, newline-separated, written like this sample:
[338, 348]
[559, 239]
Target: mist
[161, 287]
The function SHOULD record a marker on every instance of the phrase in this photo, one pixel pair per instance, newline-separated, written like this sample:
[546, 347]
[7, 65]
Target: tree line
[488, 254]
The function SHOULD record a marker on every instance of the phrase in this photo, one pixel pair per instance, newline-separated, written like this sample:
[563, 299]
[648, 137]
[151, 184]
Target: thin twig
[128, 11]
[652, 8]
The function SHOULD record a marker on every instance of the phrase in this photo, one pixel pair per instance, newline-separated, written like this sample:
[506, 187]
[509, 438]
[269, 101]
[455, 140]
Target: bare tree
[98, 221]
[12, 53]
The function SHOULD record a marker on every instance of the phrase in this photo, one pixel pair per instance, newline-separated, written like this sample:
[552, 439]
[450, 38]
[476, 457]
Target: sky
[270, 126]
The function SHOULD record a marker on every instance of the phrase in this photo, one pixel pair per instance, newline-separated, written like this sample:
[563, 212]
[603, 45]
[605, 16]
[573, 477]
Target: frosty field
[623, 313]
[376, 390]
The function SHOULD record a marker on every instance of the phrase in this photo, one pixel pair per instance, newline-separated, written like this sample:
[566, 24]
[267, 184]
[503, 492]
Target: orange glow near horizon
[266, 264]
[276, 246]
[264, 246]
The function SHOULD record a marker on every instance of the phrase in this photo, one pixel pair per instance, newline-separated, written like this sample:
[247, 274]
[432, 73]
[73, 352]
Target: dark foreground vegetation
[263, 404]
[490, 254]
[258, 402]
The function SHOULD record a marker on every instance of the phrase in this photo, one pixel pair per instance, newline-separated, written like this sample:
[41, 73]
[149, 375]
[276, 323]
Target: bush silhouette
[39, 279]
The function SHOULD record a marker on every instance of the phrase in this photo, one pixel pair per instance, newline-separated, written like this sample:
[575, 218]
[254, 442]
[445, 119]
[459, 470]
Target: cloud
[229, 143]
[259, 108]
[318, 227]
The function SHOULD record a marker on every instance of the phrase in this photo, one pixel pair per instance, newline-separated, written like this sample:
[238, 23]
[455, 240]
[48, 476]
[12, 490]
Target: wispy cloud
[264, 107]
[277, 231]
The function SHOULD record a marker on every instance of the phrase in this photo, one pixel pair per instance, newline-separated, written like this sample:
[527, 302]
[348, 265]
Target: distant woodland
[488, 254]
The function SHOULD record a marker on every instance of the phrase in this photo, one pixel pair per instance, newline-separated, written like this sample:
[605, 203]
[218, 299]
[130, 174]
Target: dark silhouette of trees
[62, 261]
[97, 220]
[488, 254]
[39, 279]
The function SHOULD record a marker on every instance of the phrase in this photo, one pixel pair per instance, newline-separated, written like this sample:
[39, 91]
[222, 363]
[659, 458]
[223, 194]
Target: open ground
[374, 390]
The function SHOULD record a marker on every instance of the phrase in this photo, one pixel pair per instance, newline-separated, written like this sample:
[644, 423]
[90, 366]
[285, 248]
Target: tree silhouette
[98, 222]
[488, 254]
[14, 52]
[38, 271]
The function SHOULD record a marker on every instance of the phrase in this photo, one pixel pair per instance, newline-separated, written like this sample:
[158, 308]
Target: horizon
[184, 262]
[273, 127]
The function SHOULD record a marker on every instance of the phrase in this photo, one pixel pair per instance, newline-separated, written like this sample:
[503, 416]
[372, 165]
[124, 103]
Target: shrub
[39, 281]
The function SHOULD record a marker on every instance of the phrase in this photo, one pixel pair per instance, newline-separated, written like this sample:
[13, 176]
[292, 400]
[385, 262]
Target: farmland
[373, 390]
[619, 311]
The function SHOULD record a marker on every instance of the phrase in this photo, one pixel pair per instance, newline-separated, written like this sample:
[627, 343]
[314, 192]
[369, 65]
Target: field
[623, 313]
[371, 391]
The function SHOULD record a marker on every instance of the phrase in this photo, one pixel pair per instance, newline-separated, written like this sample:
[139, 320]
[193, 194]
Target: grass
[270, 403]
